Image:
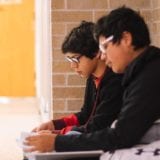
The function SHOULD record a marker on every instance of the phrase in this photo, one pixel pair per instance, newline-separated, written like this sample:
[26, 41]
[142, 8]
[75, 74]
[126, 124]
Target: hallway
[16, 115]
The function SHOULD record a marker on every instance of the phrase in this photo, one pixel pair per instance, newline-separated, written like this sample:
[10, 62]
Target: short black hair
[81, 40]
[120, 20]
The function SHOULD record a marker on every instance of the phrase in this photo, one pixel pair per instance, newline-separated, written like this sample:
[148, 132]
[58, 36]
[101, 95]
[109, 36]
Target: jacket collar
[138, 64]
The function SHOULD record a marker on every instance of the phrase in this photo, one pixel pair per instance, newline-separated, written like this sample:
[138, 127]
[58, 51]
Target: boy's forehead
[69, 54]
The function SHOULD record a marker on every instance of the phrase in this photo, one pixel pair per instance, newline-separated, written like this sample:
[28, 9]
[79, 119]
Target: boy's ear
[127, 38]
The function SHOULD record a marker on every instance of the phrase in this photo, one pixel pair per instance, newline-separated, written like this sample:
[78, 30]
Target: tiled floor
[15, 116]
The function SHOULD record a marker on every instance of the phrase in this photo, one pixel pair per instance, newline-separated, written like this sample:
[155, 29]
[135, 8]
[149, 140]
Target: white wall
[43, 57]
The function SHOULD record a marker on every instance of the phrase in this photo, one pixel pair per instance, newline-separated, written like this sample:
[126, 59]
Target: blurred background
[36, 83]
[25, 68]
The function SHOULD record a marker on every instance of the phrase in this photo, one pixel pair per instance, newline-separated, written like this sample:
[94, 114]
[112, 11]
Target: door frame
[43, 58]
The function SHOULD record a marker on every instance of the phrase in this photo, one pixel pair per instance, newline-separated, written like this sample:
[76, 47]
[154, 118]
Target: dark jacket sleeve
[79, 118]
[70, 120]
[140, 109]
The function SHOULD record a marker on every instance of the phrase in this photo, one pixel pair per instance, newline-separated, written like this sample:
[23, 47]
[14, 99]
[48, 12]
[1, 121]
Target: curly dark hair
[81, 40]
[120, 20]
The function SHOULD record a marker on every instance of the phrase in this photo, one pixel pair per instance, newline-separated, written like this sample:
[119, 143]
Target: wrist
[54, 138]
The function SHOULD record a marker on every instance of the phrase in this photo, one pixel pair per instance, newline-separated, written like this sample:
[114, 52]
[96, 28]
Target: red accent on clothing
[71, 120]
[65, 130]
[65, 124]
[97, 80]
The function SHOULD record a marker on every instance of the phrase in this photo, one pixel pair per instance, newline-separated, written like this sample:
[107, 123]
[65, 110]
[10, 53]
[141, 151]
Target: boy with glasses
[128, 52]
[103, 93]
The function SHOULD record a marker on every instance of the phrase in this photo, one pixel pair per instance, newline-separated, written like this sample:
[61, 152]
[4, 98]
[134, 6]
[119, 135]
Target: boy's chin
[83, 76]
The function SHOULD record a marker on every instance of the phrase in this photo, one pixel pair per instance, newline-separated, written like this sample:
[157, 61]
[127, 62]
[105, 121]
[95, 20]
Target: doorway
[17, 49]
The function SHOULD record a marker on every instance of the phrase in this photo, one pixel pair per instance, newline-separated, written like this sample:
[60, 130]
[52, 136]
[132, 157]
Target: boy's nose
[73, 65]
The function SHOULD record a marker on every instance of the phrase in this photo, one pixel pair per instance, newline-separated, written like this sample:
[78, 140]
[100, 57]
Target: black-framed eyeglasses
[74, 59]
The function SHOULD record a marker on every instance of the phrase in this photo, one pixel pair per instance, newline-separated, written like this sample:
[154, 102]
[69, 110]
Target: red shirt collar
[97, 80]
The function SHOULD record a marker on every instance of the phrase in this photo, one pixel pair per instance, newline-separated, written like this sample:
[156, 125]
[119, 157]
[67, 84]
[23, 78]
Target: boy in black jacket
[125, 42]
[103, 93]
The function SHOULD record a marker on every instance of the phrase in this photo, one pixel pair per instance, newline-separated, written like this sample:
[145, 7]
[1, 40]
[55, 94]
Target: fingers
[34, 130]
[30, 144]
[44, 126]
[45, 132]
[30, 140]
[43, 142]
[29, 149]
[39, 128]
[32, 137]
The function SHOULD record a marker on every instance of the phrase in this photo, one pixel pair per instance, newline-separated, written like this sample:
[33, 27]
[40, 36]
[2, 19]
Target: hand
[44, 126]
[42, 142]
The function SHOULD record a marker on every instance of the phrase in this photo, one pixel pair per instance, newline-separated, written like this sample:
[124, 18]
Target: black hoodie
[141, 107]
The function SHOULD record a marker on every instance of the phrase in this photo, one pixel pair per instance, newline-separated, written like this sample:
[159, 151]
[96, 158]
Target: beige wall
[155, 19]
[68, 88]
